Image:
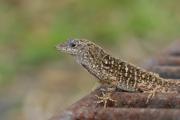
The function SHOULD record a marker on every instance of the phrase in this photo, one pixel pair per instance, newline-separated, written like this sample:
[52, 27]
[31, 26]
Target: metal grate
[132, 106]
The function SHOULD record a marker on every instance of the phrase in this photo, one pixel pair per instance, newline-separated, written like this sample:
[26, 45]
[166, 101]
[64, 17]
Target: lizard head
[85, 52]
[74, 47]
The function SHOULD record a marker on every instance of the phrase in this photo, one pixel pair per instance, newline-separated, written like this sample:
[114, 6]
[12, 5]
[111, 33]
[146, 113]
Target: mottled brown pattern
[116, 72]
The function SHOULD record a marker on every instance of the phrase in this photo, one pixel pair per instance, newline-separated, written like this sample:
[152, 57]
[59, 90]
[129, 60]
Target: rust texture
[84, 113]
[132, 106]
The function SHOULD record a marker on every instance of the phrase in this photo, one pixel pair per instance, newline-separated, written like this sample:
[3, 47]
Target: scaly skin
[115, 72]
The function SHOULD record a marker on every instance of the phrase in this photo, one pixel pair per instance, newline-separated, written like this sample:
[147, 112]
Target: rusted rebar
[165, 61]
[84, 113]
[88, 106]
[167, 71]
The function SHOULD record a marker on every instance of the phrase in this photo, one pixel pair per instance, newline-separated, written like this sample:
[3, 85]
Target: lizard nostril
[60, 46]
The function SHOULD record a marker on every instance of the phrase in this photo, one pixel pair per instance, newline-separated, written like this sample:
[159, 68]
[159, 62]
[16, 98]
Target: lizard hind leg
[106, 97]
[150, 96]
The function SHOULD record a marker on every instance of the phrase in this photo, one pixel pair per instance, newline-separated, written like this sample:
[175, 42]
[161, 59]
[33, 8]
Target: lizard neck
[91, 60]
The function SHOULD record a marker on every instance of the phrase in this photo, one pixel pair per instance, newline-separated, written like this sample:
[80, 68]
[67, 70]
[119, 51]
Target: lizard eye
[72, 45]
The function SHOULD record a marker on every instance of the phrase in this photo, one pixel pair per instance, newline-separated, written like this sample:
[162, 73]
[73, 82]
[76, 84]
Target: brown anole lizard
[116, 73]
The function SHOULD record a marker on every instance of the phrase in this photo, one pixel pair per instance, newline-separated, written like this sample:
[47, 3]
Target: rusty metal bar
[167, 71]
[119, 114]
[87, 108]
[174, 49]
[136, 100]
[166, 61]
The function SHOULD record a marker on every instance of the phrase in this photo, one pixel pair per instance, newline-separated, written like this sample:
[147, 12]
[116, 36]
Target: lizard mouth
[61, 47]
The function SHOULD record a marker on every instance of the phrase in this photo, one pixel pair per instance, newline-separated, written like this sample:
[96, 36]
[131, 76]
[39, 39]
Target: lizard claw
[104, 99]
[151, 95]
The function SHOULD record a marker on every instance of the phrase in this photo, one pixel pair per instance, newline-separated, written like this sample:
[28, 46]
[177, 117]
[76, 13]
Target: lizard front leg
[106, 96]
[152, 93]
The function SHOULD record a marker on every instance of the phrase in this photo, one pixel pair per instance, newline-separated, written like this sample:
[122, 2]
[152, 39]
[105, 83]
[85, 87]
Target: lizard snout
[61, 47]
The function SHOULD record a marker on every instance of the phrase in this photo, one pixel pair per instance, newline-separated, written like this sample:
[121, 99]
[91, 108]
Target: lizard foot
[105, 98]
[150, 96]
[152, 93]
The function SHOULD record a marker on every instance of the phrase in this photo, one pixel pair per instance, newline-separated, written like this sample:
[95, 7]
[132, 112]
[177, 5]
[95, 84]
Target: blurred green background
[36, 81]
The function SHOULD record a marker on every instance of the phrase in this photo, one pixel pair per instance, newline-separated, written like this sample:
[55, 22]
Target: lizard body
[117, 73]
